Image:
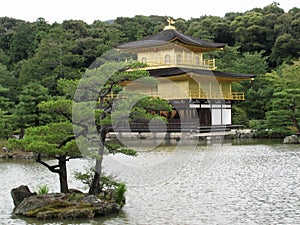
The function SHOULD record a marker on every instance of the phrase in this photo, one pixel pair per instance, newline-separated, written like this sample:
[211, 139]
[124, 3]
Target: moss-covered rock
[66, 206]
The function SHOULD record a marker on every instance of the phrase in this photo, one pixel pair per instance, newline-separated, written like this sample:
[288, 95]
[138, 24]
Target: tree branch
[66, 141]
[51, 168]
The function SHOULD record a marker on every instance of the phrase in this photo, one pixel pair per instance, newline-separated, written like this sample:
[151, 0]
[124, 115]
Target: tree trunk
[63, 178]
[22, 133]
[296, 124]
[95, 185]
[60, 169]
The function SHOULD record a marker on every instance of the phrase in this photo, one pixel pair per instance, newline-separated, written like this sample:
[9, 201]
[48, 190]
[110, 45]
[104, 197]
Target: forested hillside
[38, 60]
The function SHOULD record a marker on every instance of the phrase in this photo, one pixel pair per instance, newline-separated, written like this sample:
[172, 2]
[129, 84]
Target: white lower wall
[220, 114]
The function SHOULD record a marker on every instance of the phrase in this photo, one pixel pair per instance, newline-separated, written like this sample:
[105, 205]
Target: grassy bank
[3, 142]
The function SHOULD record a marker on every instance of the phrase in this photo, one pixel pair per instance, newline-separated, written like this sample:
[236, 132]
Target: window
[188, 58]
[197, 60]
[178, 59]
[167, 59]
[144, 60]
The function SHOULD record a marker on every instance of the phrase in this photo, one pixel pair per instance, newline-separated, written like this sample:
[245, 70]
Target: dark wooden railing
[177, 127]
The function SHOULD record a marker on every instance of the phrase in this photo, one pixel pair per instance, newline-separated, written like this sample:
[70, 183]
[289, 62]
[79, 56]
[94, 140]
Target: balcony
[235, 96]
[176, 60]
[217, 95]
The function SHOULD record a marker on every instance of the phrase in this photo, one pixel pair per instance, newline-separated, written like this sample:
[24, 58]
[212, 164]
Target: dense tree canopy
[259, 41]
[41, 65]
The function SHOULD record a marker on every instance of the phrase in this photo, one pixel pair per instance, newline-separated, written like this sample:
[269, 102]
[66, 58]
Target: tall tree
[7, 27]
[54, 59]
[285, 111]
[257, 92]
[10, 82]
[22, 42]
[5, 114]
[248, 30]
[99, 84]
[78, 27]
[27, 111]
[56, 140]
[286, 48]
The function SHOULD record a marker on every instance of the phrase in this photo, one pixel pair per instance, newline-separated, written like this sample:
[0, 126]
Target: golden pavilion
[201, 95]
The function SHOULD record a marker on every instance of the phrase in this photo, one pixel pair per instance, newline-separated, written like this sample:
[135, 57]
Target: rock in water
[35, 203]
[19, 193]
[66, 206]
[293, 139]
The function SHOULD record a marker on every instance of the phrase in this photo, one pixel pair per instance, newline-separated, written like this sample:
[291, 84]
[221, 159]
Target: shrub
[120, 193]
[239, 116]
[107, 182]
[42, 189]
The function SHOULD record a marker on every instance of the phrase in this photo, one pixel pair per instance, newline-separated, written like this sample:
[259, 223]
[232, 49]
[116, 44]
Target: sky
[91, 10]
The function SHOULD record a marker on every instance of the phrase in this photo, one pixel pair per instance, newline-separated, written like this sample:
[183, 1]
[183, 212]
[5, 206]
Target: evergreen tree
[56, 140]
[27, 111]
[284, 115]
[101, 84]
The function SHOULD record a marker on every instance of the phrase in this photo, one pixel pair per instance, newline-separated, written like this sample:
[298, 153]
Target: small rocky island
[73, 205]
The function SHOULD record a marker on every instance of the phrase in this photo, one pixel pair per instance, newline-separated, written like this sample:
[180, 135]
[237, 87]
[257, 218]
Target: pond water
[215, 182]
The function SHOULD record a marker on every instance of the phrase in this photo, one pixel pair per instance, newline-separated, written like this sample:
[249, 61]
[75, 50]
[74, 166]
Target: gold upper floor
[187, 87]
[164, 58]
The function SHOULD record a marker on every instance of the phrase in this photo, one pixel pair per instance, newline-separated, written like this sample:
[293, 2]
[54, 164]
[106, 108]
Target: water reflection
[243, 183]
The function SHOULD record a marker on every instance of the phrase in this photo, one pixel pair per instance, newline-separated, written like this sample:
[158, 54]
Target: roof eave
[165, 72]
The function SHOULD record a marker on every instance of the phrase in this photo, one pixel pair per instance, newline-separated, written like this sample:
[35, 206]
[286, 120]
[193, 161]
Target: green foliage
[59, 106]
[86, 178]
[260, 128]
[6, 117]
[239, 116]
[107, 182]
[290, 75]
[56, 55]
[255, 124]
[258, 95]
[232, 60]
[204, 27]
[21, 43]
[3, 143]
[42, 189]
[9, 82]
[283, 44]
[41, 63]
[55, 58]
[249, 31]
[119, 193]
[115, 148]
[27, 110]
[4, 102]
[140, 26]
[67, 87]
[52, 139]
[6, 124]
[285, 110]
[277, 94]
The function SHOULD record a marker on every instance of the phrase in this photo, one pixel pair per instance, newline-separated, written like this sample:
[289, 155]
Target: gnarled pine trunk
[95, 185]
[61, 169]
[63, 177]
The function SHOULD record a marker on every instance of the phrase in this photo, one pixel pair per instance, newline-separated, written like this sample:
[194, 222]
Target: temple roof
[173, 71]
[172, 36]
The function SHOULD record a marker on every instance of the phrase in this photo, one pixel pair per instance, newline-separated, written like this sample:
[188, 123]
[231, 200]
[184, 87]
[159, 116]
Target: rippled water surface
[217, 183]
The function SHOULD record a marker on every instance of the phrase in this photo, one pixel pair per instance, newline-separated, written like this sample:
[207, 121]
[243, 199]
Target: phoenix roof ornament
[170, 26]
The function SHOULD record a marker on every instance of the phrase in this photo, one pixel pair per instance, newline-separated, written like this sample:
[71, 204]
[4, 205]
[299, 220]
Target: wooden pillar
[230, 90]
[210, 89]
